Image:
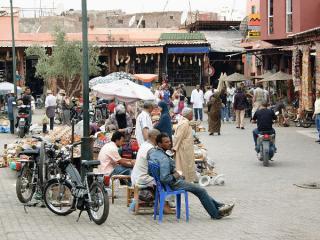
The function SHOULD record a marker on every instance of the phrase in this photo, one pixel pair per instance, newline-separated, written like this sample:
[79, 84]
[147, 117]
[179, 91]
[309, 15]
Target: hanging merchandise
[146, 59]
[196, 58]
[158, 57]
[199, 62]
[174, 59]
[179, 62]
[138, 59]
[128, 59]
[121, 59]
[190, 60]
[152, 57]
[184, 58]
[117, 58]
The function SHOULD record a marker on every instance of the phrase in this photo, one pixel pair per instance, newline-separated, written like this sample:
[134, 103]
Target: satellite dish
[140, 21]
[184, 17]
[132, 20]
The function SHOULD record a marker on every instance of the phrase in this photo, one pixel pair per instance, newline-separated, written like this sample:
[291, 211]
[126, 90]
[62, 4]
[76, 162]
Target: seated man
[264, 118]
[111, 161]
[169, 175]
[140, 174]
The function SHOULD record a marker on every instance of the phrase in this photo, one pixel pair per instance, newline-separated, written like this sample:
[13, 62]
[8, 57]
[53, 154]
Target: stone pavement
[268, 206]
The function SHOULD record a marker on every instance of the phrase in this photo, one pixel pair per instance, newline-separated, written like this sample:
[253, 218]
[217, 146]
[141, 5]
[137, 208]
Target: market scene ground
[268, 205]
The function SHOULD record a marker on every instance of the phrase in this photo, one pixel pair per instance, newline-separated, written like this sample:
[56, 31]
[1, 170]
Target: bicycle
[67, 192]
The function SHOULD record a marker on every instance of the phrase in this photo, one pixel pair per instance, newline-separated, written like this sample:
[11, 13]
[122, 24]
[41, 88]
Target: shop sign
[254, 34]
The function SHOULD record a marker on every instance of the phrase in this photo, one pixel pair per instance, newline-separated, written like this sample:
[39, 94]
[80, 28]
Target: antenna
[184, 17]
[132, 20]
[140, 21]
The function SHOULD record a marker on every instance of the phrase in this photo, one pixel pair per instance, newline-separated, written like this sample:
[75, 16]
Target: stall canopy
[236, 77]
[6, 88]
[279, 76]
[177, 50]
[149, 50]
[224, 41]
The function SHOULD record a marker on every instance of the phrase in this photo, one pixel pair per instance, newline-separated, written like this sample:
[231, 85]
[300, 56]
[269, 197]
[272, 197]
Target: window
[289, 16]
[171, 17]
[120, 21]
[270, 17]
[253, 9]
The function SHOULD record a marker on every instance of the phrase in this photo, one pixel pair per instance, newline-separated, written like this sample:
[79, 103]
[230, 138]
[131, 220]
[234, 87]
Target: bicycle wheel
[42, 166]
[99, 209]
[58, 197]
[24, 187]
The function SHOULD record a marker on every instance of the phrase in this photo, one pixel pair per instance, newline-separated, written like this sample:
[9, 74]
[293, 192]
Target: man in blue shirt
[169, 175]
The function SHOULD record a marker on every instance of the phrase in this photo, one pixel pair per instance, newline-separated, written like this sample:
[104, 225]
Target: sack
[45, 119]
[146, 195]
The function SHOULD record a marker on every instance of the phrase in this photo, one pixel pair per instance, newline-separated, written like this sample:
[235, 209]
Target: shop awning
[149, 50]
[174, 50]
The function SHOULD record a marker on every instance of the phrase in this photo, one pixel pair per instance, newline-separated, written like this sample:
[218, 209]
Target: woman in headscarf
[214, 114]
[164, 125]
[120, 121]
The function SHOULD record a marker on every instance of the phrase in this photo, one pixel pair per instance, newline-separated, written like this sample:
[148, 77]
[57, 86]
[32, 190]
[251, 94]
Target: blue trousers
[121, 170]
[209, 204]
[318, 124]
[198, 114]
[224, 114]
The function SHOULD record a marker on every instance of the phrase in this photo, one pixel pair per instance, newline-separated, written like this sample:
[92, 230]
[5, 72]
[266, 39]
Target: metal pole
[13, 52]
[86, 152]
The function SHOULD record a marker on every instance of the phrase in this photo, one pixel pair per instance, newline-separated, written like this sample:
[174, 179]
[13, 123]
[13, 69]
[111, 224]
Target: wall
[251, 3]
[305, 16]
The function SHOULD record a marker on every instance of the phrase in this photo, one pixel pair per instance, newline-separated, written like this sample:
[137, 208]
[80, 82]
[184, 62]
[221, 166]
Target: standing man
[27, 99]
[316, 114]
[197, 102]
[50, 105]
[259, 96]
[183, 146]
[230, 98]
[208, 94]
[144, 123]
[240, 104]
[10, 103]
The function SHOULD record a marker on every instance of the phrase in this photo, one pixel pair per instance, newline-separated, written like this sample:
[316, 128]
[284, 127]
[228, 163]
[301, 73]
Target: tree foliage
[64, 63]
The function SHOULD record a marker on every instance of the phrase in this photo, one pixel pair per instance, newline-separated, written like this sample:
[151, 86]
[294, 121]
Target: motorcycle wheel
[22, 132]
[99, 210]
[24, 185]
[265, 155]
[306, 123]
[58, 197]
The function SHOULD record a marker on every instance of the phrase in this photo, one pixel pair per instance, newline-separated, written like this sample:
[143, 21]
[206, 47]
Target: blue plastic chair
[162, 191]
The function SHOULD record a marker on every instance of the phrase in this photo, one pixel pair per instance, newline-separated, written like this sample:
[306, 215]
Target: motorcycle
[266, 147]
[23, 124]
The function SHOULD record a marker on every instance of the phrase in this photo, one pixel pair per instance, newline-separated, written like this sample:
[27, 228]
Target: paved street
[268, 205]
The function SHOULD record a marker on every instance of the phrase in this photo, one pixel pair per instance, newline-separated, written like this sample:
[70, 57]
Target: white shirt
[197, 98]
[143, 121]
[139, 174]
[317, 106]
[230, 92]
[51, 101]
[207, 95]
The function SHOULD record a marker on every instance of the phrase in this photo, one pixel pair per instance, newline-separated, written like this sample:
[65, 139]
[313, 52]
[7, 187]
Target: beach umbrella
[123, 90]
[279, 76]
[6, 88]
[236, 77]
[115, 76]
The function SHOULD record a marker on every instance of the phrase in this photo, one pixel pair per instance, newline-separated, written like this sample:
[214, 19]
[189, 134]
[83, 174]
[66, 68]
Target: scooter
[266, 147]
[23, 124]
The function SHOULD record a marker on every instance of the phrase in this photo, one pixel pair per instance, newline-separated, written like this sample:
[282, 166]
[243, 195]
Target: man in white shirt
[208, 94]
[50, 105]
[139, 175]
[197, 102]
[144, 123]
[231, 91]
[316, 114]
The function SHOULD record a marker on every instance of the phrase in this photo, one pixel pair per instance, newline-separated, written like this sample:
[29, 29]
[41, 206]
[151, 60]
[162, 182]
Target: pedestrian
[259, 96]
[27, 100]
[316, 114]
[182, 99]
[121, 121]
[170, 176]
[164, 125]
[240, 104]
[183, 146]
[214, 114]
[10, 104]
[197, 100]
[144, 123]
[111, 161]
[208, 94]
[65, 106]
[224, 112]
[50, 105]
[231, 90]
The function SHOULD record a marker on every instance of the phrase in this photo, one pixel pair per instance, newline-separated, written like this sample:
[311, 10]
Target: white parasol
[123, 90]
[6, 88]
